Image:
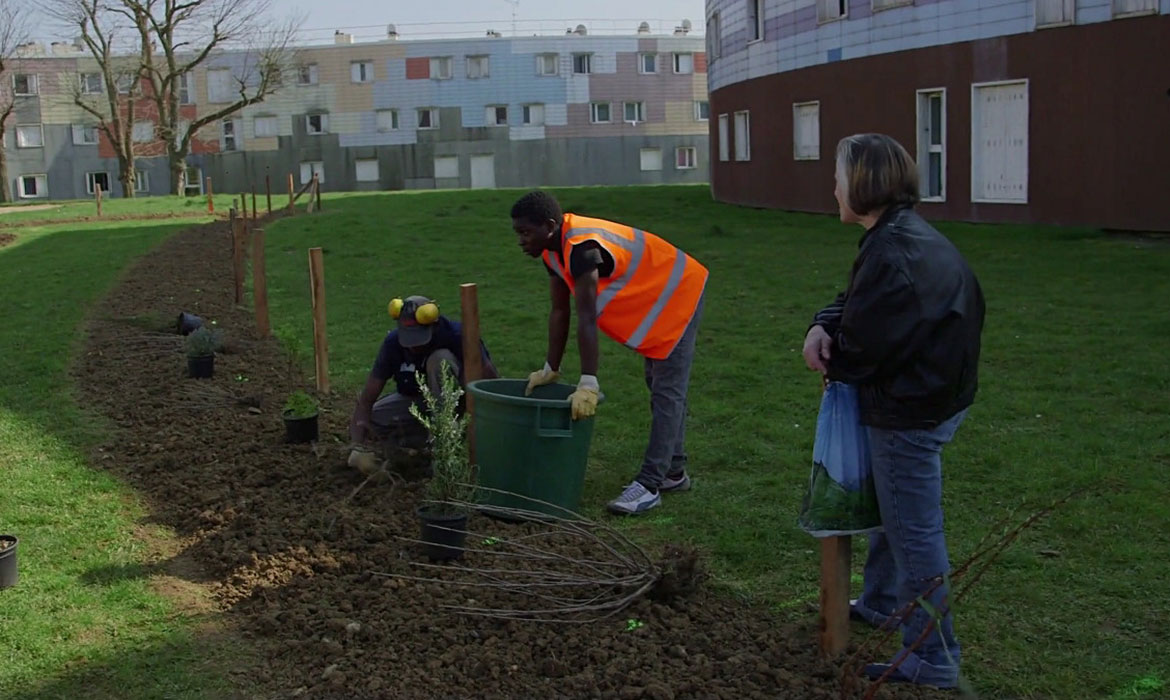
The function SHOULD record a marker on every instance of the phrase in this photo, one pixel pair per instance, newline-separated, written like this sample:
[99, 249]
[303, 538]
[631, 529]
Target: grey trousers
[393, 410]
[668, 380]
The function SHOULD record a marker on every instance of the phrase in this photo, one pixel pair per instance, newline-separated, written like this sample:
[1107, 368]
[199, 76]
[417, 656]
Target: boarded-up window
[651, 158]
[366, 170]
[446, 166]
[724, 138]
[806, 137]
[999, 154]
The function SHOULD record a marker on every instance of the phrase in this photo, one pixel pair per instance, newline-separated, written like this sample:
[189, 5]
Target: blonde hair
[876, 173]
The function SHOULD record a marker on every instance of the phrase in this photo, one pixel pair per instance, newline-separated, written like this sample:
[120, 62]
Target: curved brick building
[1045, 111]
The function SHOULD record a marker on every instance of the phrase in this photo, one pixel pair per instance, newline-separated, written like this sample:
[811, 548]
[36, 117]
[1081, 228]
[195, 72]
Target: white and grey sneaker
[635, 499]
[670, 483]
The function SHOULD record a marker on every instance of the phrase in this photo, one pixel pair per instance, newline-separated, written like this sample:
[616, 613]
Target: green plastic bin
[528, 445]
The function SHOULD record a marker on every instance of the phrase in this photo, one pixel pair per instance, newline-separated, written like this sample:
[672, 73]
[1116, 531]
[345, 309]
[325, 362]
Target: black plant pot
[300, 429]
[443, 535]
[187, 323]
[8, 572]
[201, 367]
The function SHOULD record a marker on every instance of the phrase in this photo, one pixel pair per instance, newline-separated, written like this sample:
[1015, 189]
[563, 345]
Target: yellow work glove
[584, 399]
[548, 375]
[364, 460]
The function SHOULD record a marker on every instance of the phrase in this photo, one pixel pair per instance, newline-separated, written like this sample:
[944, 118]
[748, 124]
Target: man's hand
[360, 430]
[584, 400]
[818, 349]
[548, 375]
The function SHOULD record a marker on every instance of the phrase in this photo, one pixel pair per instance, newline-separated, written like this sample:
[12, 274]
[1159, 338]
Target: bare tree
[186, 34]
[109, 94]
[13, 33]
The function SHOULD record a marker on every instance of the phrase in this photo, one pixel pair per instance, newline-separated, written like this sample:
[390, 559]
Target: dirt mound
[6, 238]
[292, 559]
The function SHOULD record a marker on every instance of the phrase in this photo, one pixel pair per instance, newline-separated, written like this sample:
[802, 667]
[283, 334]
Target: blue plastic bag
[841, 498]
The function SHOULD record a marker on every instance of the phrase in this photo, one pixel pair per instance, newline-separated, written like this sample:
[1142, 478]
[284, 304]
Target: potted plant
[443, 515]
[300, 417]
[201, 345]
[8, 571]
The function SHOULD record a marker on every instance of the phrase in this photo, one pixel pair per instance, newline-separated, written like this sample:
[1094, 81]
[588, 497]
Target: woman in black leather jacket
[906, 331]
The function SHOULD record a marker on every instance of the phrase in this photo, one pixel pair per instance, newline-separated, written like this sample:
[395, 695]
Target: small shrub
[202, 342]
[451, 467]
[300, 405]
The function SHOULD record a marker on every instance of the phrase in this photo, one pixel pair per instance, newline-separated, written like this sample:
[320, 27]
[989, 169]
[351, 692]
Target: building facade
[395, 114]
[1030, 111]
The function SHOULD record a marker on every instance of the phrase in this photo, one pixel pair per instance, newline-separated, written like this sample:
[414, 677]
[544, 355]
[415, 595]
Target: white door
[483, 172]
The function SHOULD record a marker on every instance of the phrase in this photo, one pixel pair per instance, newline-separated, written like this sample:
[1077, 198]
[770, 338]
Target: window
[142, 132]
[441, 68]
[932, 139]
[85, 135]
[999, 142]
[185, 82]
[307, 74]
[386, 120]
[141, 181]
[192, 181]
[600, 113]
[647, 63]
[91, 83]
[806, 131]
[30, 136]
[311, 168]
[702, 110]
[1054, 13]
[724, 138]
[651, 158]
[32, 187]
[634, 111]
[95, 180]
[743, 143]
[361, 71]
[582, 63]
[714, 41]
[1125, 8]
[428, 118]
[684, 63]
[24, 84]
[124, 83]
[684, 158]
[533, 115]
[755, 19]
[478, 67]
[228, 131]
[831, 10]
[264, 127]
[546, 64]
[879, 5]
[446, 166]
[496, 115]
[219, 85]
[366, 170]
[316, 124]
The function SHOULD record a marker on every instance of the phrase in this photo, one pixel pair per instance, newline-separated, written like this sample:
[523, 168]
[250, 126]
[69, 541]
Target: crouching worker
[424, 341]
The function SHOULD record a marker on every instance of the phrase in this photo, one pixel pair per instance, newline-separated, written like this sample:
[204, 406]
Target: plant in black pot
[300, 417]
[201, 345]
[444, 514]
[8, 571]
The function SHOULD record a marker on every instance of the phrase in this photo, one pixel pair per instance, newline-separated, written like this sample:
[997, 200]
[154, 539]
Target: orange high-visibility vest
[651, 296]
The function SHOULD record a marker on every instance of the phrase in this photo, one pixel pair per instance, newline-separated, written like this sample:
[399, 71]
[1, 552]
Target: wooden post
[472, 359]
[244, 205]
[259, 282]
[97, 193]
[239, 233]
[311, 206]
[320, 348]
[268, 188]
[836, 559]
[290, 193]
[210, 198]
[317, 190]
[253, 206]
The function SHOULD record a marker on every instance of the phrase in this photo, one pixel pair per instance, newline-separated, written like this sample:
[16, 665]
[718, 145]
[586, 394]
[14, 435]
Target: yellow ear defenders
[425, 314]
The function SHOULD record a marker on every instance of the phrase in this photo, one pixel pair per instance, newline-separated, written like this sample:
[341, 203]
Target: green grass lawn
[139, 206]
[1074, 392]
[68, 630]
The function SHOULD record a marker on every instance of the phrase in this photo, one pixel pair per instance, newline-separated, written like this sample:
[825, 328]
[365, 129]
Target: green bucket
[529, 446]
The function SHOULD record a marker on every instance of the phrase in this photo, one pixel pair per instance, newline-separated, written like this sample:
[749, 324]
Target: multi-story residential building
[1052, 111]
[397, 114]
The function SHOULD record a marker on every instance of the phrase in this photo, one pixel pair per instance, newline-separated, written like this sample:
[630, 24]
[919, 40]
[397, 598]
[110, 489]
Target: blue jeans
[906, 560]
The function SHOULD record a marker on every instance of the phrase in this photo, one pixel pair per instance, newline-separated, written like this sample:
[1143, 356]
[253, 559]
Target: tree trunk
[178, 170]
[5, 191]
[126, 177]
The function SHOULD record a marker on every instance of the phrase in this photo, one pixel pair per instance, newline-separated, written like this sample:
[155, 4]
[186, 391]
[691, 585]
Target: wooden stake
[210, 198]
[244, 206]
[253, 206]
[312, 196]
[259, 282]
[317, 190]
[320, 348]
[239, 235]
[97, 193]
[290, 193]
[472, 359]
[836, 560]
[268, 188]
